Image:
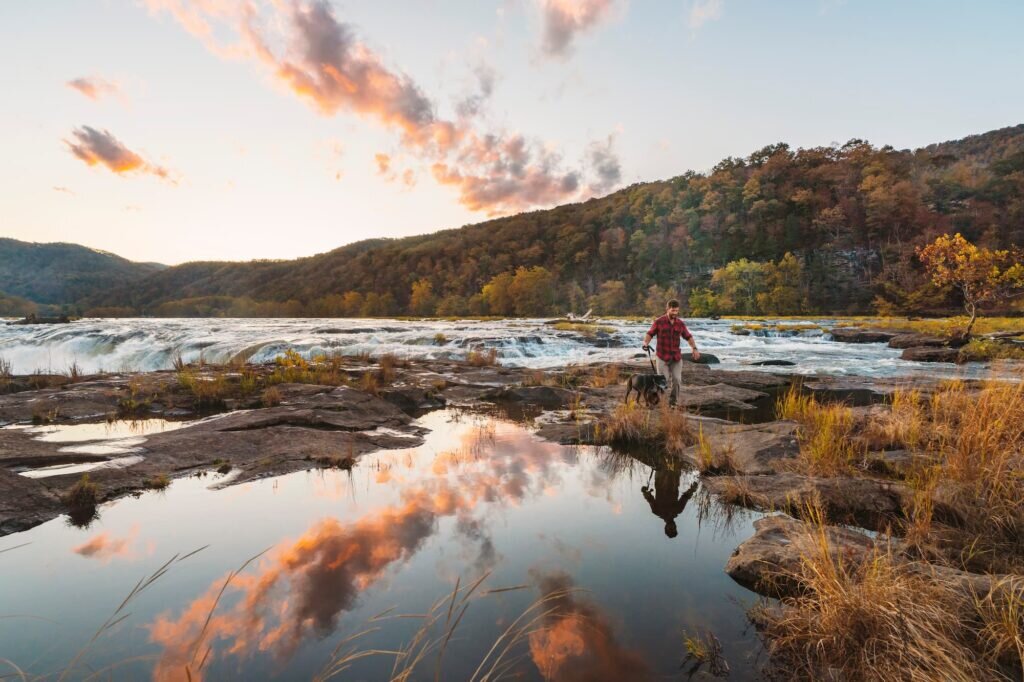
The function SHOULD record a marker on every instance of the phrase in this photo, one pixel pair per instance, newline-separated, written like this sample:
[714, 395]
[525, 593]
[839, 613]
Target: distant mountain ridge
[60, 273]
[851, 214]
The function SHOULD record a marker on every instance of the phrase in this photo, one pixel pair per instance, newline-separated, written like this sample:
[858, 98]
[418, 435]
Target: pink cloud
[100, 147]
[305, 48]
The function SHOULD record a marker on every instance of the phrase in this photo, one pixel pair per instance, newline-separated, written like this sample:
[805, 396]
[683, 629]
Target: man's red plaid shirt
[668, 332]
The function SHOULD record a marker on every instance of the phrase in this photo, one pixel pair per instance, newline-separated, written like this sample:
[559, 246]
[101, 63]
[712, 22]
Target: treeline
[825, 230]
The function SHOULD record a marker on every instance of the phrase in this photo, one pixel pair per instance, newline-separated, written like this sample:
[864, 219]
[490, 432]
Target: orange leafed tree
[982, 276]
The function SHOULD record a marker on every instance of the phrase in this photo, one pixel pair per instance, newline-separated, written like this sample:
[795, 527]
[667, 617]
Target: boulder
[857, 335]
[917, 341]
[25, 503]
[705, 358]
[769, 562]
[866, 502]
[774, 363]
[412, 400]
[930, 354]
[751, 448]
[716, 396]
[545, 396]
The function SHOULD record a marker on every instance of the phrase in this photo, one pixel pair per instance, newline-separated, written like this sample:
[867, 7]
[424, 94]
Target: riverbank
[912, 461]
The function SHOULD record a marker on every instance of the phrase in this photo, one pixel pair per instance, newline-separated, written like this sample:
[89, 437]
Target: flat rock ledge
[866, 502]
[769, 562]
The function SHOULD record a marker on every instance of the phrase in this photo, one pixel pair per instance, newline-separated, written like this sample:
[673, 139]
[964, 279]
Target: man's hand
[696, 355]
[647, 348]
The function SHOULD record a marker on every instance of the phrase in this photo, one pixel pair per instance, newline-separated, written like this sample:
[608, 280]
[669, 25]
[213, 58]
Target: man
[669, 329]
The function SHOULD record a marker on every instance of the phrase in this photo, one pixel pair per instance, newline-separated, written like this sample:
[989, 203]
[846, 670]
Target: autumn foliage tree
[981, 276]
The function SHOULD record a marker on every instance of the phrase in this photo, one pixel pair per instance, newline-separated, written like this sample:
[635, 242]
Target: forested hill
[850, 216]
[63, 273]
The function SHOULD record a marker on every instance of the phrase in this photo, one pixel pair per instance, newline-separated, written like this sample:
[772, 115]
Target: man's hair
[672, 304]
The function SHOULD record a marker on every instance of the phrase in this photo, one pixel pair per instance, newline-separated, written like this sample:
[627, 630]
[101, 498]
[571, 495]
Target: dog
[648, 387]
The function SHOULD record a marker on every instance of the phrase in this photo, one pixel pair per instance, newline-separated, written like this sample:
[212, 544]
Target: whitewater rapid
[152, 344]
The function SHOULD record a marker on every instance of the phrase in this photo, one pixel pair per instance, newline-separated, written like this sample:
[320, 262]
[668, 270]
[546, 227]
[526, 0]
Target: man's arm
[693, 348]
[693, 344]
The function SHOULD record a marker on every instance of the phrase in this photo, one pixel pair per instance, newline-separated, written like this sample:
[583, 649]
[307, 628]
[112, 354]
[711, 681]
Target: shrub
[84, 494]
[158, 482]
[271, 397]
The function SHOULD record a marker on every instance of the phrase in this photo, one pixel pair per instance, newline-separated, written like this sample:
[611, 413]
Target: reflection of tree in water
[665, 500]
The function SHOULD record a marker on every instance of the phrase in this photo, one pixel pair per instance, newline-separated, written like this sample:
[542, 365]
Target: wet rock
[917, 341]
[25, 503]
[546, 396]
[412, 400]
[705, 359]
[866, 502]
[773, 363]
[768, 561]
[342, 408]
[895, 463]
[857, 335]
[930, 354]
[746, 448]
[718, 396]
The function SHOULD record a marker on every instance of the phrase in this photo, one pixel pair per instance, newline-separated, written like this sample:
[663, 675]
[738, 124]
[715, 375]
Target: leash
[650, 360]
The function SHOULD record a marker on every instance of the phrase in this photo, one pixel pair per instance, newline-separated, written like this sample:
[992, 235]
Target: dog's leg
[629, 389]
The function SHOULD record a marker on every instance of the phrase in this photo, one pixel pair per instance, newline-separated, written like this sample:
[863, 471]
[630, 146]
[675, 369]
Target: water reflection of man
[666, 502]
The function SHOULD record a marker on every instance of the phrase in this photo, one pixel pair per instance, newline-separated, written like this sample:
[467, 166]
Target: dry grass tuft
[882, 616]
[83, 494]
[714, 462]
[609, 375]
[487, 358]
[825, 434]
[271, 397]
[632, 424]
[158, 482]
[873, 619]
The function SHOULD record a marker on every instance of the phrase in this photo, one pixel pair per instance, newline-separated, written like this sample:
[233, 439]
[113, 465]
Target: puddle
[81, 468]
[99, 441]
[78, 433]
[629, 550]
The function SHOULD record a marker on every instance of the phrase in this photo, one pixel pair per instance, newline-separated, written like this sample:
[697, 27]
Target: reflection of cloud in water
[303, 587]
[106, 547]
[577, 642]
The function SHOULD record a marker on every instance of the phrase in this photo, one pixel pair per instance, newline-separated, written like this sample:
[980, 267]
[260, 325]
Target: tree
[980, 275]
[532, 291]
[704, 303]
[654, 301]
[739, 284]
[611, 298]
[421, 299]
[784, 295]
[498, 296]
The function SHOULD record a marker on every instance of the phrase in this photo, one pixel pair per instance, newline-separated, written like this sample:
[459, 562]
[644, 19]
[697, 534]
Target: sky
[181, 130]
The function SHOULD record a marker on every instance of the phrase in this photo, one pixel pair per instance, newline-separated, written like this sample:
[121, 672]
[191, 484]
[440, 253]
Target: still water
[618, 559]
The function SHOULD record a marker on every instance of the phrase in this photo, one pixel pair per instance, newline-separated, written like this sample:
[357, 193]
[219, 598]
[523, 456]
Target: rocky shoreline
[745, 455]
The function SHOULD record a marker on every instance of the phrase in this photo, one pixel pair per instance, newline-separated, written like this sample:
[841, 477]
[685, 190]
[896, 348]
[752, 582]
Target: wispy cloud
[605, 166]
[100, 147]
[62, 189]
[703, 11]
[322, 61]
[563, 20]
[94, 87]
